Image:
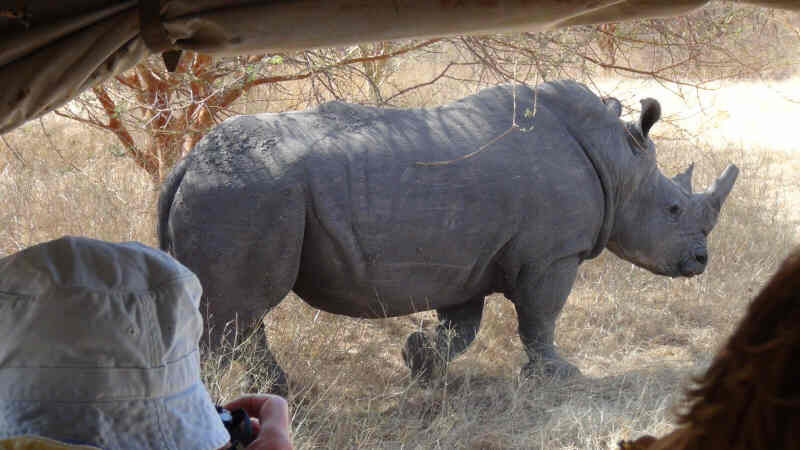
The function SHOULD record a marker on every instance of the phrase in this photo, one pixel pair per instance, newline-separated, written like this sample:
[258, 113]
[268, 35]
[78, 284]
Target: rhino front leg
[539, 300]
[458, 326]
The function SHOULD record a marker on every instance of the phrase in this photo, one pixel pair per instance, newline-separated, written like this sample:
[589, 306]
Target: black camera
[237, 423]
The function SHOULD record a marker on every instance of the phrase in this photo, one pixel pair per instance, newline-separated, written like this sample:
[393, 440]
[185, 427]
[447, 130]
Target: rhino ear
[613, 105]
[651, 112]
[721, 187]
[684, 179]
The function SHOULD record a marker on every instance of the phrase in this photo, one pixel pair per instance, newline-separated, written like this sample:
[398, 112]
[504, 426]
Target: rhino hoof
[419, 356]
[550, 368]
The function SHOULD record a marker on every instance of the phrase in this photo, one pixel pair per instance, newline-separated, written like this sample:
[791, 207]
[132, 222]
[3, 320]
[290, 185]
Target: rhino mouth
[689, 268]
[694, 263]
[667, 270]
[672, 272]
[684, 268]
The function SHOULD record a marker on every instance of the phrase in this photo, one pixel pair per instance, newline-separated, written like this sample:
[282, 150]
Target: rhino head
[660, 224]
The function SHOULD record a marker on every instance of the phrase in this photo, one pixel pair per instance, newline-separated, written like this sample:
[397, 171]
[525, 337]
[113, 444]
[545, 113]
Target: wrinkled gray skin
[334, 204]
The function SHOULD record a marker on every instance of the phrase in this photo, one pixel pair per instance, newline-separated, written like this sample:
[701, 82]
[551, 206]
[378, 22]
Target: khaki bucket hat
[99, 346]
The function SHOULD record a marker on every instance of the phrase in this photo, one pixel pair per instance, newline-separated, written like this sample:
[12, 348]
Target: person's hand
[269, 419]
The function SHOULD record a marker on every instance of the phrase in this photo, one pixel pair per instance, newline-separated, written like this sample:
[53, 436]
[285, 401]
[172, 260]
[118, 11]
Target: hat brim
[187, 420]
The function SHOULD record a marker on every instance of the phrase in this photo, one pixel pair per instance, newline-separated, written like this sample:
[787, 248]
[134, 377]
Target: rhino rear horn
[684, 179]
[651, 112]
[722, 186]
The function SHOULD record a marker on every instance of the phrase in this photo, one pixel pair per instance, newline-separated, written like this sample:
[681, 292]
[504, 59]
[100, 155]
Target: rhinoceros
[379, 212]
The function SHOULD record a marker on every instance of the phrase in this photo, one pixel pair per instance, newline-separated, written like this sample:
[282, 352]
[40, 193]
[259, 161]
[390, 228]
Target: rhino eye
[674, 210]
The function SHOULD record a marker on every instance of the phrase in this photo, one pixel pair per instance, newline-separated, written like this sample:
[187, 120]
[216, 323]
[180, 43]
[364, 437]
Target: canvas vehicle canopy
[51, 51]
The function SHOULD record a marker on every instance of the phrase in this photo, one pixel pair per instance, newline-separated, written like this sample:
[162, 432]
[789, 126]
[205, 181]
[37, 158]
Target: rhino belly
[383, 289]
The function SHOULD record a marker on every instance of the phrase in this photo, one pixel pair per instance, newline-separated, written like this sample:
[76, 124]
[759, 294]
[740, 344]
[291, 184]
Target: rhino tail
[165, 198]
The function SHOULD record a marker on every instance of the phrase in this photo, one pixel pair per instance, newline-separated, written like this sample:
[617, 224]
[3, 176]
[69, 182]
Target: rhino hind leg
[234, 316]
[245, 273]
[458, 326]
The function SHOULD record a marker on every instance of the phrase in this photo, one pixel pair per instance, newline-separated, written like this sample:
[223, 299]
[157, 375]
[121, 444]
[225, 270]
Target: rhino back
[381, 223]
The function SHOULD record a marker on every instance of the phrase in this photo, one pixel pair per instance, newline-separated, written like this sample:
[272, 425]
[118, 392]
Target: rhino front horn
[722, 186]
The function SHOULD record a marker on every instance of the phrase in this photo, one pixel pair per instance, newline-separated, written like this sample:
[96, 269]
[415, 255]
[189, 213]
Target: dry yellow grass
[637, 337]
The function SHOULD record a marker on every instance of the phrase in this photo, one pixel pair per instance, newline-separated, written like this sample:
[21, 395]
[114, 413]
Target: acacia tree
[157, 116]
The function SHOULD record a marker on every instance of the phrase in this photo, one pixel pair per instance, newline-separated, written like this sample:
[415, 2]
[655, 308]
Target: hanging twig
[55, 148]
[514, 126]
[16, 154]
[470, 155]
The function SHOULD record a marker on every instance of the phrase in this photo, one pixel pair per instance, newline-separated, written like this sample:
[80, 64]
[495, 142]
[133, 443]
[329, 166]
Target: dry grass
[69, 182]
[637, 337]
